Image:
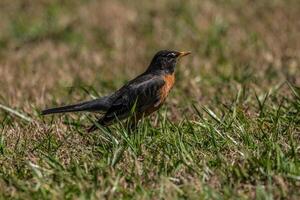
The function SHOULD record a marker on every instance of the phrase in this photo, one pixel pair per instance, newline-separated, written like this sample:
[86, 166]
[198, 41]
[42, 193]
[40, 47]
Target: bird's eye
[171, 55]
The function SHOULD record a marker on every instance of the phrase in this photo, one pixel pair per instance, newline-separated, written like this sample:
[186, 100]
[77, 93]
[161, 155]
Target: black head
[165, 60]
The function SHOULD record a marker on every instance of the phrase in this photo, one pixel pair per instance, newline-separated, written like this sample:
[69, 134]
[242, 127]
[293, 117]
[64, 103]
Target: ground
[229, 129]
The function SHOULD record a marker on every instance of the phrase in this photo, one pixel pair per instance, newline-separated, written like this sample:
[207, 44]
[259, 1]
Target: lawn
[230, 128]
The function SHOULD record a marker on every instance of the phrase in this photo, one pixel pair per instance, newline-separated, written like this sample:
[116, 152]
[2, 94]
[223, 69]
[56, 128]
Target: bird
[139, 98]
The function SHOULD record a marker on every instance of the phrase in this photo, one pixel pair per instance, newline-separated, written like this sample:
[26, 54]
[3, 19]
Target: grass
[229, 129]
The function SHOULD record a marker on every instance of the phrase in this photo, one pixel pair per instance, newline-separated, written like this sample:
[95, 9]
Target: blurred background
[51, 50]
[230, 127]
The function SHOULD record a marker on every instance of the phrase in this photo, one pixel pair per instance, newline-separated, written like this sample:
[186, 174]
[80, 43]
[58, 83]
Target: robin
[141, 96]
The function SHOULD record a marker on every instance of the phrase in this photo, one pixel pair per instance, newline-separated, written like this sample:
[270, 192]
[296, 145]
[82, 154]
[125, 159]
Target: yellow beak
[181, 54]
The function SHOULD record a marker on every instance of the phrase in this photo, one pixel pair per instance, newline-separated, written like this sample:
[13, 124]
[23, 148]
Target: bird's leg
[132, 123]
[131, 126]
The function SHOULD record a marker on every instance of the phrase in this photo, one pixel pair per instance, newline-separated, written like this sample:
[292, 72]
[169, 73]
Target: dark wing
[143, 93]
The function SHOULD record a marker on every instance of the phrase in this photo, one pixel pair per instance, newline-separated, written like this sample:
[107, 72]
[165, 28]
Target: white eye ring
[172, 54]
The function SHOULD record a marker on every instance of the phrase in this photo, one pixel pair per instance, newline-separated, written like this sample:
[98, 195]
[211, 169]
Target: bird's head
[166, 60]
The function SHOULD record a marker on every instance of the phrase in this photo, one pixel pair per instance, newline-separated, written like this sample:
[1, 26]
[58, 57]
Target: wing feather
[141, 94]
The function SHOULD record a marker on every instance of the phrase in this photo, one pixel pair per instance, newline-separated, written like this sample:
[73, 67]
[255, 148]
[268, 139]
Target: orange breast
[169, 82]
[164, 91]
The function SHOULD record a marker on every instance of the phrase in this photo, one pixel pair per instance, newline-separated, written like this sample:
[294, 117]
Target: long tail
[101, 104]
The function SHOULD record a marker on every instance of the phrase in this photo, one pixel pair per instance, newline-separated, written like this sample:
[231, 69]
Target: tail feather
[63, 109]
[101, 104]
